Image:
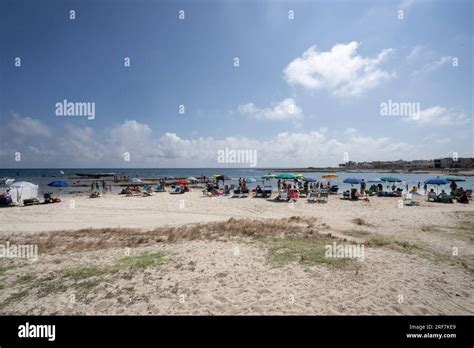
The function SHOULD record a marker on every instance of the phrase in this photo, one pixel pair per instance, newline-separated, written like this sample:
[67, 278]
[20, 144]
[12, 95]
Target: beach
[190, 254]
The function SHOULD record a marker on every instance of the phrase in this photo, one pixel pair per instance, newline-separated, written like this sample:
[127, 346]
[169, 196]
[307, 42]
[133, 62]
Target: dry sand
[187, 254]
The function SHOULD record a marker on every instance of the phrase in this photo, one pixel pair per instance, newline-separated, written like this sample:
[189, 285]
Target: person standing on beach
[92, 186]
[97, 185]
[279, 185]
[362, 187]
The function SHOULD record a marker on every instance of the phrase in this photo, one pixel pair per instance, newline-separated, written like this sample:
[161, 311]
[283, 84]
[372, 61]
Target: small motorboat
[6, 181]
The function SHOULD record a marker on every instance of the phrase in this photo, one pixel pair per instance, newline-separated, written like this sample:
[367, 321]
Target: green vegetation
[307, 251]
[80, 273]
[143, 260]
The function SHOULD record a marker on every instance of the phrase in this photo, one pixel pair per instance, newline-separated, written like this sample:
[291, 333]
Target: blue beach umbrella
[436, 181]
[250, 180]
[352, 181]
[58, 183]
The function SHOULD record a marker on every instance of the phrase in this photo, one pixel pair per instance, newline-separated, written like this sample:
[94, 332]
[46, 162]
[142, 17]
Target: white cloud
[419, 52]
[438, 116]
[434, 65]
[75, 146]
[284, 110]
[27, 126]
[341, 70]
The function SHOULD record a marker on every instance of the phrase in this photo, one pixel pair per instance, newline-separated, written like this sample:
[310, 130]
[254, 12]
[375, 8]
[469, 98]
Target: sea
[43, 177]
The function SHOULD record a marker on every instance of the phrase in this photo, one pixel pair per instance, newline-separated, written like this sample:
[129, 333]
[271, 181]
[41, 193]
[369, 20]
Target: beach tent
[22, 190]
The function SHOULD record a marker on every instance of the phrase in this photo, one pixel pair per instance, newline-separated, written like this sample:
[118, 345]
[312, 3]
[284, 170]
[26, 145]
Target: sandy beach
[188, 254]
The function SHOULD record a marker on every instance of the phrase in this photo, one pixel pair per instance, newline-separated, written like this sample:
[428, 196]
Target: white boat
[6, 181]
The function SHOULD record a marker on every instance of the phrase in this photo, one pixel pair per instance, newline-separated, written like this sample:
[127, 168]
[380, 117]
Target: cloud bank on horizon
[300, 95]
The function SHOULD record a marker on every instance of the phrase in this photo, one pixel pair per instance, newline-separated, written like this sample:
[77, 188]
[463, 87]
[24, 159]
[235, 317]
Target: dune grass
[143, 260]
[306, 251]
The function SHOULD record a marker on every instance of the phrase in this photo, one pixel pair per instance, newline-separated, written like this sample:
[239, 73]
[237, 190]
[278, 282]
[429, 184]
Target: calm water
[42, 177]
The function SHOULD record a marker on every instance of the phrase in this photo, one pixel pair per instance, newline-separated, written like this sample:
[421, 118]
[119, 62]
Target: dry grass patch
[361, 222]
[58, 242]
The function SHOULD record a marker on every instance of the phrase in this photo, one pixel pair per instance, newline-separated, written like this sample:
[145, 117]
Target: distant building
[449, 162]
[442, 163]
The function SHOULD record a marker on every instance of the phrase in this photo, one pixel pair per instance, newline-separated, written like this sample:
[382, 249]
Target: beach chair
[432, 197]
[313, 196]
[333, 189]
[303, 193]
[323, 197]
[409, 201]
[346, 195]
[245, 192]
[175, 190]
[160, 188]
[444, 198]
[237, 193]
[282, 196]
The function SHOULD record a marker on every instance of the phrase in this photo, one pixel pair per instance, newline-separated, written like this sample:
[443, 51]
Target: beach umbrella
[286, 176]
[329, 176]
[374, 181]
[454, 178]
[58, 183]
[250, 180]
[390, 179]
[268, 177]
[352, 181]
[436, 181]
[192, 178]
[299, 175]
[136, 180]
[183, 182]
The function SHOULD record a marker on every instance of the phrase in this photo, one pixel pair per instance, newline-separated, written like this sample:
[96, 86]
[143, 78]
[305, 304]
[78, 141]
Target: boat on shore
[6, 181]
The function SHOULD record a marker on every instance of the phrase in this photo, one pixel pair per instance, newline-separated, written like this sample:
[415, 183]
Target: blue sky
[307, 89]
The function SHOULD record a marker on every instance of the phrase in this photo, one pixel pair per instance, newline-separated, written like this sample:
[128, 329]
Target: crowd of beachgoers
[289, 187]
